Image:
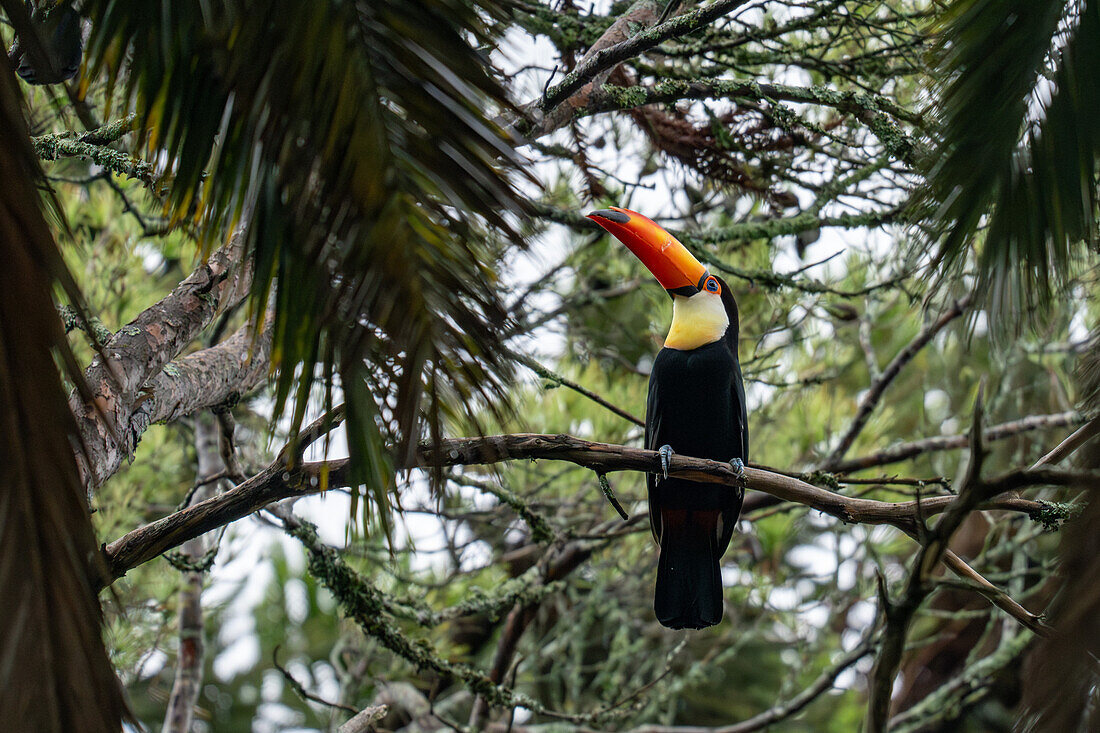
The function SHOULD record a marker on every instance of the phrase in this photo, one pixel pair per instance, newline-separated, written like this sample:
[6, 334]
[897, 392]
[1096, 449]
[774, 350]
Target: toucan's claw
[738, 467]
[666, 457]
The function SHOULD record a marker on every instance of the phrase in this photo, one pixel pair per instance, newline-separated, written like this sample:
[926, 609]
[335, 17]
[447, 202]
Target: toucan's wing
[652, 442]
[739, 412]
[737, 384]
[740, 409]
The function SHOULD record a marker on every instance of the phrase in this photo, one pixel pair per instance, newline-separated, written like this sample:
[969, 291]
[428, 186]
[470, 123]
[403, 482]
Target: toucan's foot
[738, 467]
[666, 457]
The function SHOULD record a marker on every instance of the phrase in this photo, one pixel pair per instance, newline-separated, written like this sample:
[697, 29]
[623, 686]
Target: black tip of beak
[616, 216]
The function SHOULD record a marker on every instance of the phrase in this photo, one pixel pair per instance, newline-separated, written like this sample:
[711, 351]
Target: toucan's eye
[712, 286]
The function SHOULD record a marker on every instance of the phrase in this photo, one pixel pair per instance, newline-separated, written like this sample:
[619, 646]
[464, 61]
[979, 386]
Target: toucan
[696, 407]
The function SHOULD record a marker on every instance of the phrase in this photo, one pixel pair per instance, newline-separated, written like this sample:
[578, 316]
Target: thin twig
[871, 399]
[606, 486]
[905, 451]
[1082, 435]
[545, 373]
[301, 690]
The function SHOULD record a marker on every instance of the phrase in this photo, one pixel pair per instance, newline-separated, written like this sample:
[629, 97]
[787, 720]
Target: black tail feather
[689, 580]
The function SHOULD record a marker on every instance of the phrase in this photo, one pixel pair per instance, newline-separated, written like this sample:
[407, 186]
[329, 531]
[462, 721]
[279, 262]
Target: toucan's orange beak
[669, 261]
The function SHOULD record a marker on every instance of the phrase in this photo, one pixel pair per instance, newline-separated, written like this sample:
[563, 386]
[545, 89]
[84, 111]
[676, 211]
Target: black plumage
[58, 29]
[696, 405]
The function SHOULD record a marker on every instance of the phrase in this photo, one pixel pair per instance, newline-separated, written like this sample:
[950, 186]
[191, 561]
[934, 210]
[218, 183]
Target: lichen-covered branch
[276, 482]
[641, 13]
[972, 685]
[364, 604]
[44, 145]
[53, 147]
[873, 110]
[210, 377]
[643, 41]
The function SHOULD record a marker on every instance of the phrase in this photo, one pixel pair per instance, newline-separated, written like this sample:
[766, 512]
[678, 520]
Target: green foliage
[1019, 144]
[369, 122]
[360, 158]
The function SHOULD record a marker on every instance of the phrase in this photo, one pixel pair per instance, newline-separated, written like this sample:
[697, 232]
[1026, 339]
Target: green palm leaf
[354, 140]
[54, 671]
[1029, 176]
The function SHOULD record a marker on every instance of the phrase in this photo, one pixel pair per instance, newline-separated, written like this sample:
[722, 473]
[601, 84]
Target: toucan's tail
[689, 583]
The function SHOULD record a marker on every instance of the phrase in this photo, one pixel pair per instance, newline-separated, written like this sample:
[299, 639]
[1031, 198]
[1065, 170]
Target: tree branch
[610, 57]
[548, 375]
[1081, 436]
[861, 104]
[870, 400]
[642, 13]
[995, 595]
[208, 378]
[276, 482]
[364, 720]
[118, 379]
[189, 661]
[89, 147]
[900, 615]
[904, 451]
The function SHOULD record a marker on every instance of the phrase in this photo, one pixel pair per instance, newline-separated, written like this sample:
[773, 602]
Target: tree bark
[118, 377]
[189, 661]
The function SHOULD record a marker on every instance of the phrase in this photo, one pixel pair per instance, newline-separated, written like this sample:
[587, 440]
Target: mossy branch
[276, 482]
[94, 146]
[647, 39]
[367, 606]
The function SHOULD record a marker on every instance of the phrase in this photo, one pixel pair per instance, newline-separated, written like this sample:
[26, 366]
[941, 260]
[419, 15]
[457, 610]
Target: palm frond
[354, 139]
[54, 671]
[1060, 683]
[1022, 166]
